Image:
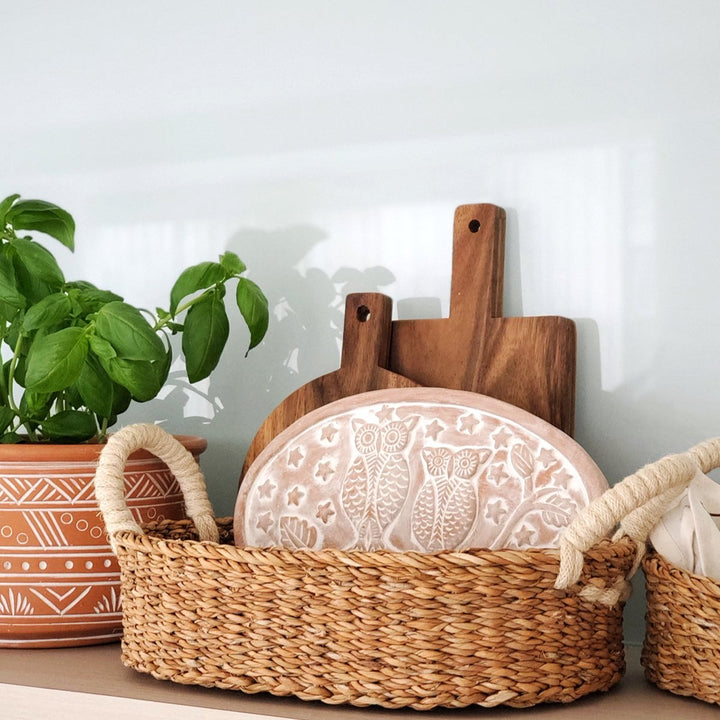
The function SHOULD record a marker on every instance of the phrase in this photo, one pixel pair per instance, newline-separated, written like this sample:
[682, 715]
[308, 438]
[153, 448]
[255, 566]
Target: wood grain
[363, 367]
[526, 361]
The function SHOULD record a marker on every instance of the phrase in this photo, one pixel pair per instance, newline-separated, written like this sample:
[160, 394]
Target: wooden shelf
[75, 683]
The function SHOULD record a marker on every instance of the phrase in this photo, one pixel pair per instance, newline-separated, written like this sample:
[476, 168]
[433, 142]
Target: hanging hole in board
[474, 226]
[363, 313]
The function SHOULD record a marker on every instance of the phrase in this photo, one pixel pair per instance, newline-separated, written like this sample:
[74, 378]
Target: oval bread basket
[446, 629]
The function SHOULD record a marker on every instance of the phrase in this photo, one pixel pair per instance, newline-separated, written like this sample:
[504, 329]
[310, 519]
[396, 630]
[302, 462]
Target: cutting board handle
[478, 262]
[366, 333]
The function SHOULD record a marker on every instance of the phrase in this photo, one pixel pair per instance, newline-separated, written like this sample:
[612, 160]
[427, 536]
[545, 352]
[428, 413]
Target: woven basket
[682, 637]
[384, 628]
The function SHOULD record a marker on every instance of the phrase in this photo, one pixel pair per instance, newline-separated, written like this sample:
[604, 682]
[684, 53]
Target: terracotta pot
[59, 580]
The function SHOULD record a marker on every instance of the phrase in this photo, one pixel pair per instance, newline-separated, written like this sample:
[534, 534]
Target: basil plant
[75, 356]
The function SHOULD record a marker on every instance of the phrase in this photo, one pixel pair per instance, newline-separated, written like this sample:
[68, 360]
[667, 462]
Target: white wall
[328, 143]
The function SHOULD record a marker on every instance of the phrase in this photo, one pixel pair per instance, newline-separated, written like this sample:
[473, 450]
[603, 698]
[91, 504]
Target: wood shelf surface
[82, 682]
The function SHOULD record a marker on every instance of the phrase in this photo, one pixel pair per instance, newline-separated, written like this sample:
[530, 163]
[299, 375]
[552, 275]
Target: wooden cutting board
[363, 363]
[525, 361]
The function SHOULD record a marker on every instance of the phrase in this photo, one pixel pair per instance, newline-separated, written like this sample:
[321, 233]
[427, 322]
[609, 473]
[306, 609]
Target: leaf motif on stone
[562, 509]
[297, 533]
[522, 460]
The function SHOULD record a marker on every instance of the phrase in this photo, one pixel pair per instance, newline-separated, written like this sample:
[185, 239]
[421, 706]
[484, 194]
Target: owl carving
[378, 479]
[446, 504]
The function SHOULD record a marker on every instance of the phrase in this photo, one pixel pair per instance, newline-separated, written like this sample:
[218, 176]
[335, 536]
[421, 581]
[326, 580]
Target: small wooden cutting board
[525, 361]
[363, 367]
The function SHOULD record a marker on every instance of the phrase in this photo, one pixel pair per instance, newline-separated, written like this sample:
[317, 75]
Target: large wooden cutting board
[526, 361]
[363, 367]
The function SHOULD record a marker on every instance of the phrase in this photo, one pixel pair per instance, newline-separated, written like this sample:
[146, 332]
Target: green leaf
[37, 271]
[50, 311]
[10, 438]
[254, 308]
[130, 334]
[204, 337]
[6, 417]
[56, 360]
[95, 387]
[197, 277]
[70, 425]
[4, 207]
[9, 292]
[43, 217]
[88, 299]
[121, 400]
[102, 348]
[232, 263]
[142, 379]
[36, 405]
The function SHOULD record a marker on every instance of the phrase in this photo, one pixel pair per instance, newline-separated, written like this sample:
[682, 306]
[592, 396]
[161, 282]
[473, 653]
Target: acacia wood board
[529, 362]
[363, 367]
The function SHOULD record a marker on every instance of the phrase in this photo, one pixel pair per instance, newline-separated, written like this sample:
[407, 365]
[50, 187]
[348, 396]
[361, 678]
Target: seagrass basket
[448, 629]
[681, 652]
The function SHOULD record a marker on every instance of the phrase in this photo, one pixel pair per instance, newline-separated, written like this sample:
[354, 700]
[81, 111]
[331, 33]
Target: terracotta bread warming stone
[525, 361]
[421, 469]
[363, 367]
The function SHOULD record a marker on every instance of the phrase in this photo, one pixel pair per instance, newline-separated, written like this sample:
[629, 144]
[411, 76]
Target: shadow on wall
[302, 342]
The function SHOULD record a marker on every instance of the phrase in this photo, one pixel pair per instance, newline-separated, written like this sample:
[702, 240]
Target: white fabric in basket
[688, 535]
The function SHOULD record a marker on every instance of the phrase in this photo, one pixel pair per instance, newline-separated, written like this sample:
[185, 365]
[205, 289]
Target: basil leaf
[87, 298]
[254, 308]
[102, 348]
[4, 207]
[6, 417]
[50, 311]
[232, 263]
[9, 292]
[37, 271]
[70, 425]
[130, 334]
[56, 360]
[95, 387]
[204, 337]
[36, 405]
[192, 279]
[10, 438]
[141, 378]
[44, 217]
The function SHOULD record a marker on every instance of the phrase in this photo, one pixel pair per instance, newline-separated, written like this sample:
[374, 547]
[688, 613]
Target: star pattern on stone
[265, 522]
[562, 478]
[495, 511]
[385, 413]
[324, 470]
[547, 457]
[525, 536]
[295, 457]
[266, 489]
[325, 511]
[433, 430]
[295, 495]
[328, 433]
[496, 475]
[468, 423]
[501, 437]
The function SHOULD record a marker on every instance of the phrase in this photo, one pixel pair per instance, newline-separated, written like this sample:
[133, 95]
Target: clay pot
[59, 580]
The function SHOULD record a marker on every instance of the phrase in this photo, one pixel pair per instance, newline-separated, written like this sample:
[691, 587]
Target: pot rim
[44, 452]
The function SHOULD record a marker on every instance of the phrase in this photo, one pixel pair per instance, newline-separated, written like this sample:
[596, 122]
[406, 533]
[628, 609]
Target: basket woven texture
[381, 628]
[681, 652]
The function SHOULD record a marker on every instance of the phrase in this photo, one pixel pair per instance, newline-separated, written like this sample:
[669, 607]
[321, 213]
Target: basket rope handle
[110, 482]
[636, 504]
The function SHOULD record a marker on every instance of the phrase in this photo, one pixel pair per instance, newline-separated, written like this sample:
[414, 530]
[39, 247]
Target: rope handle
[110, 482]
[636, 504]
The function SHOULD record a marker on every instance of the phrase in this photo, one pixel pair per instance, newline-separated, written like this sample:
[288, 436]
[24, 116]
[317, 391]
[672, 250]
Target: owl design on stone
[377, 482]
[446, 504]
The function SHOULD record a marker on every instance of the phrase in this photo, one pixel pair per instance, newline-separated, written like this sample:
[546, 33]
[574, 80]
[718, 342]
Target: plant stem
[162, 322]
